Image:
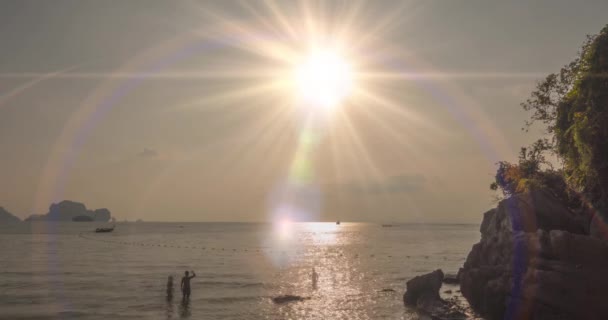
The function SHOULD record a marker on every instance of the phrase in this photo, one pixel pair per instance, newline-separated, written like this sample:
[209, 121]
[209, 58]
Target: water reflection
[323, 271]
[169, 310]
[323, 233]
[184, 309]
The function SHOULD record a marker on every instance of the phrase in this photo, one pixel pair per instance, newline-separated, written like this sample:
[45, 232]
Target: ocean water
[66, 271]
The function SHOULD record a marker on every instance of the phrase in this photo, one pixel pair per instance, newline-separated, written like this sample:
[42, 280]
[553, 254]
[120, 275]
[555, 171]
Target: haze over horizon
[168, 111]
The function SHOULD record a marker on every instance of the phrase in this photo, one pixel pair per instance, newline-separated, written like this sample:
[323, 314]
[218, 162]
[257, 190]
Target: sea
[67, 271]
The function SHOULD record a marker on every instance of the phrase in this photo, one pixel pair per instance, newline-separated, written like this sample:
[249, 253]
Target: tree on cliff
[573, 106]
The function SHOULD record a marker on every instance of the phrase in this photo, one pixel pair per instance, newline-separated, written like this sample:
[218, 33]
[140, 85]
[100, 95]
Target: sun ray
[346, 24]
[408, 76]
[247, 38]
[407, 151]
[348, 149]
[254, 80]
[254, 73]
[280, 18]
[261, 130]
[359, 149]
[283, 136]
[267, 23]
[375, 32]
[234, 95]
[407, 114]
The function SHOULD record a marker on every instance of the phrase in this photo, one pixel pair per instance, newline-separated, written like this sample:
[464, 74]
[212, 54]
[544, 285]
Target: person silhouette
[186, 284]
[315, 278]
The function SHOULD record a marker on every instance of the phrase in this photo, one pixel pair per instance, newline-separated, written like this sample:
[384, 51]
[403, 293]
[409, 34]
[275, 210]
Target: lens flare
[323, 79]
[253, 69]
[284, 228]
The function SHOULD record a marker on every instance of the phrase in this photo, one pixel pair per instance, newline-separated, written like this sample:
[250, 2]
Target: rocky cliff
[536, 261]
[72, 211]
[7, 217]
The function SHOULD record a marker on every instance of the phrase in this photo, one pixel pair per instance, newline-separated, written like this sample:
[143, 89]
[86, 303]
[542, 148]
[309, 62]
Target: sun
[323, 79]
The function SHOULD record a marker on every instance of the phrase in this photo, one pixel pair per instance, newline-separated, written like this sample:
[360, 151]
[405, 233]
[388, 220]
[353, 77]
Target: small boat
[99, 230]
[387, 225]
[338, 222]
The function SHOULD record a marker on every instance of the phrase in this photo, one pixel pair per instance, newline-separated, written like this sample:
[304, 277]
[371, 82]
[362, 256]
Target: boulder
[423, 293]
[7, 217]
[535, 262]
[288, 298]
[424, 287]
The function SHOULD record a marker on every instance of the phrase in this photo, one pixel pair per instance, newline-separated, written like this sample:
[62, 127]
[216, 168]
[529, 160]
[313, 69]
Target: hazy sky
[165, 110]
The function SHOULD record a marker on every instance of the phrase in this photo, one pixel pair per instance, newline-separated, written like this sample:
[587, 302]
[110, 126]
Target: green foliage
[573, 106]
[581, 124]
[514, 178]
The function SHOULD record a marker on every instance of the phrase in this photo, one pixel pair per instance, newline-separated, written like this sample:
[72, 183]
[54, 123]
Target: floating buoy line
[84, 235]
[214, 249]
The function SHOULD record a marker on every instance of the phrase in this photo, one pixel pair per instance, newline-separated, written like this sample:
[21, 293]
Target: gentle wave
[64, 276]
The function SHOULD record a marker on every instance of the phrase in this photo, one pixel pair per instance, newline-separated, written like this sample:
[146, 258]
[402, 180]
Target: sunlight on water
[323, 233]
[284, 228]
[67, 271]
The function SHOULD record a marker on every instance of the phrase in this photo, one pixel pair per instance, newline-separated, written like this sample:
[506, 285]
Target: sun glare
[323, 79]
[285, 228]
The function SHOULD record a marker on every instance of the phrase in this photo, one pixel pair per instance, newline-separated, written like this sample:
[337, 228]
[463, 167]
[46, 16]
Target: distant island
[7, 217]
[72, 211]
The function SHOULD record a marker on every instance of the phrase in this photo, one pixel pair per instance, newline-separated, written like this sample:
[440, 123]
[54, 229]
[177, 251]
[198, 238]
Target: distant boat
[99, 230]
[338, 222]
[387, 225]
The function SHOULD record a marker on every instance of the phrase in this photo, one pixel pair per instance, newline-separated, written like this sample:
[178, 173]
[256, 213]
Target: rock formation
[536, 261]
[424, 287]
[6, 217]
[72, 211]
[82, 219]
[422, 292]
[288, 298]
[102, 214]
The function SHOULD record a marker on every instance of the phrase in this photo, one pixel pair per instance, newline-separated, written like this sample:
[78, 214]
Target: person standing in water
[186, 284]
[315, 278]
